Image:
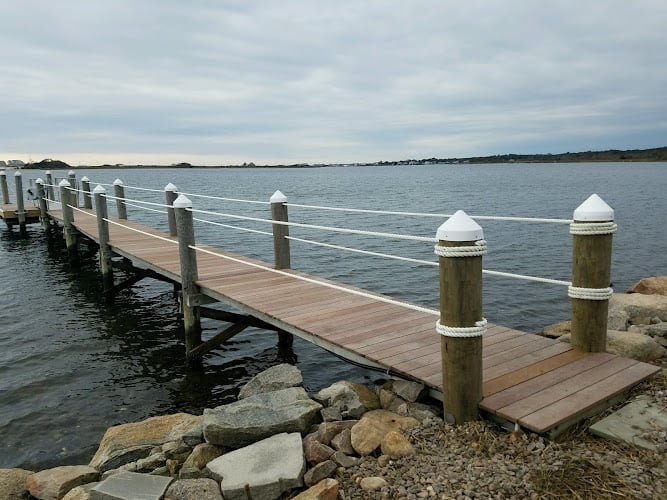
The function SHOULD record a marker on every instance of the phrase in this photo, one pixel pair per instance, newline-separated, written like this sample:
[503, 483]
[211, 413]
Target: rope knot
[476, 250]
[462, 332]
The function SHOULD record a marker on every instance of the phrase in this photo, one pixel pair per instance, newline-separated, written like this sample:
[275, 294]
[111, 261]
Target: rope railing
[238, 200]
[230, 226]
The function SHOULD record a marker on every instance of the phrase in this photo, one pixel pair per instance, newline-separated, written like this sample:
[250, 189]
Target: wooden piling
[43, 209]
[592, 232]
[102, 214]
[281, 247]
[5, 189]
[87, 197]
[189, 275]
[20, 203]
[460, 260]
[74, 193]
[50, 194]
[71, 237]
[170, 193]
[119, 193]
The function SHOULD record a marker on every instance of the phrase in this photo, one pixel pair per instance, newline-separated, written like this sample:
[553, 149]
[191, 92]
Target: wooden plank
[526, 359]
[492, 357]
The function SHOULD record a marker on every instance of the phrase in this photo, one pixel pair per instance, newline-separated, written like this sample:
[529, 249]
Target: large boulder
[256, 417]
[194, 489]
[351, 398]
[12, 483]
[635, 309]
[265, 469]
[52, 484]
[630, 345]
[126, 443]
[368, 433]
[655, 285]
[130, 485]
[275, 378]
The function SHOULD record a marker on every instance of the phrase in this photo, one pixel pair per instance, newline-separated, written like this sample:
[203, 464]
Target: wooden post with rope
[281, 247]
[592, 232]
[87, 197]
[71, 238]
[5, 189]
[102, 214]
[460, 248]
[50, 192]
[119, 193]
[170, 193]
[20, 203]
[74, 193]
[43, 209]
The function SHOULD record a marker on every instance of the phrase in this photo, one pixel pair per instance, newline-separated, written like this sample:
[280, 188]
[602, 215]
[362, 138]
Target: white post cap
[278, 197]
[182, 202]
[460, 227]
[18, 173]
[170, 187]
[48, 172]
[117, 182]
[71, 172]
[2, 172]
[99, 189]
[39, 180]
[64, 183]
[594, 209]
[85, 179]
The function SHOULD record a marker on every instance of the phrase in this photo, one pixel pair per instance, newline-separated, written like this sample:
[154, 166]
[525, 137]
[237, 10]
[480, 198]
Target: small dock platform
[9, 214]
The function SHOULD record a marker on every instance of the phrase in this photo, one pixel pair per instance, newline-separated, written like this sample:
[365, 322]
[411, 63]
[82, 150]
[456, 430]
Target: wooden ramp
[539, 383]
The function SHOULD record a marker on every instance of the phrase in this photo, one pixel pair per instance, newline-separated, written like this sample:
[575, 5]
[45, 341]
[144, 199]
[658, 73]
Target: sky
[215, 82]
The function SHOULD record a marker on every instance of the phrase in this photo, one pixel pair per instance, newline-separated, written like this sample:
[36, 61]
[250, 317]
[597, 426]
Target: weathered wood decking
[541, 384]
[8, 213]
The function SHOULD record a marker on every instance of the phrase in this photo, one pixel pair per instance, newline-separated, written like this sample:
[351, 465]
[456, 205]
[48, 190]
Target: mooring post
[119, 193]
[460, 248]
[74, 193]
[188, 260]
[49, 186]
[170, 193]
[43, 209]
[102, 214]
[71, 239]
[87, 197]
[5, 189]
[592, 232]
[20, 203]
[281, 248]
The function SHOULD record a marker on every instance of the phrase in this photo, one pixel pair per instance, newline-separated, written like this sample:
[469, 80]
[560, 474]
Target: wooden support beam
[218, 339]
[114, 289]
[230, 317]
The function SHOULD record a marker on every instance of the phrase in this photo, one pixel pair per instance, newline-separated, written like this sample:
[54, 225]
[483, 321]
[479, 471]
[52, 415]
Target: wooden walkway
[539, 383]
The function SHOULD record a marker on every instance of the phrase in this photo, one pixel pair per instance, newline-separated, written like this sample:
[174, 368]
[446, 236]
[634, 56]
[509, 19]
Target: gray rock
[321, 471]
[80, 492]
[351, 398]
[655, 330]
[257, 417]
[194, 489]
[344, 460]
[12, 483]
[55, 483]
[420, 411]
[275, 378]
[266, 469]
[634, 309]
[408, 390]
[131, 486]
[630, 345]
[201, 455]
[331, 414]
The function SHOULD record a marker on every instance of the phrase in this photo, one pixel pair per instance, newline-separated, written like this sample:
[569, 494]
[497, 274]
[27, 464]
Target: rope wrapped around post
[460, 249]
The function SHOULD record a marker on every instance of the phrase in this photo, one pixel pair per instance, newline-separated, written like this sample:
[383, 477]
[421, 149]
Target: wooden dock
[537, 383]
[9, 214]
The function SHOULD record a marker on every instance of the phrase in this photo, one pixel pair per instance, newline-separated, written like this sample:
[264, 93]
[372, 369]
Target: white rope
[462, 332]
[575, 292]
[592, 228]
[527, 278]
[143, 189]
[226, 199]
[161, 205]
[89, 214]
[142, 232]
[359, 293]
[145, 208]
[476, 250]
[322, 228]
[422, 214]
[220, 224]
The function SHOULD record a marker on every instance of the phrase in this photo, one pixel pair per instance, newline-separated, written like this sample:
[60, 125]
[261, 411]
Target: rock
[387, 397]
[394, 445]
[328, 430]
[408, 391]
[177, 450]
[630, 345]
[202, 454]
[275, 378]
[320, 471]
[656, 330]
[314, 451]
[193, 489]
[635, 309]
[130, 486]
[331, 414]
[191, 473]
[343, 460]
[55, 483]
[267, 468]
[256, 417]
[420, 411]
[655, 285]
[367, 434]
[80, 492]
[373, 483]
[12, 483]
[351, 398]
[557, 330]
[126, 443]
[327, 489]
[343, 442]
[151, 462]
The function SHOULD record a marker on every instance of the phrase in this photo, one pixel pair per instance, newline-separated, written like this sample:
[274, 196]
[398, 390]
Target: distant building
[2, 164]
[15, 163]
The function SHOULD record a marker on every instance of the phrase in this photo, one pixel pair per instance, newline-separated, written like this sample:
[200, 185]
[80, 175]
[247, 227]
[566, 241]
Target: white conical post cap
[64, 183]
[2, 172]
[117, 182]
[48, 172]
[39, 181]
[71, 172]
[85, 179]
[170, 187]
[460, 227]
[594, 209]
[182, 202]
[17, 174]
[99, 190]
[278, 197]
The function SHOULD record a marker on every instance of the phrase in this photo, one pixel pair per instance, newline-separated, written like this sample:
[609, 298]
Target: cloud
[324, 81]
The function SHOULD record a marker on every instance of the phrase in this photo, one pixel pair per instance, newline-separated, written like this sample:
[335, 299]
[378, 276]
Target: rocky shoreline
[349, 441]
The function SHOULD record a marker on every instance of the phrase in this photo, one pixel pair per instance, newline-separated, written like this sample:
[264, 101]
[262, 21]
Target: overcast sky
[319, 81]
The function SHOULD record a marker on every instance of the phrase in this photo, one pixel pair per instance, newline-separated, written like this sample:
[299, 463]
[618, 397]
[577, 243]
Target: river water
[71, 364]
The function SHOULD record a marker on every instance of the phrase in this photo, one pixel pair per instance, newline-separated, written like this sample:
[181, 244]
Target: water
[71, 365]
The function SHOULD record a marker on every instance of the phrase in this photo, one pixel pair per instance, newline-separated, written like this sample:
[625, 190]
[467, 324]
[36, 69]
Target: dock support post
[119, 193]
[20, 203]
[87, 197]
[461, 326]
[170, 193]
[280, 231]
[50, 194]
[74, 193]
[590, 292]
[102, 214]
[189, 275]
[68, 223]
[5, 189]
[43, 210]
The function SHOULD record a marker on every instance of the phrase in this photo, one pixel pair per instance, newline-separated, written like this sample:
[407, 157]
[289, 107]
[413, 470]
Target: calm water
[72, 365]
